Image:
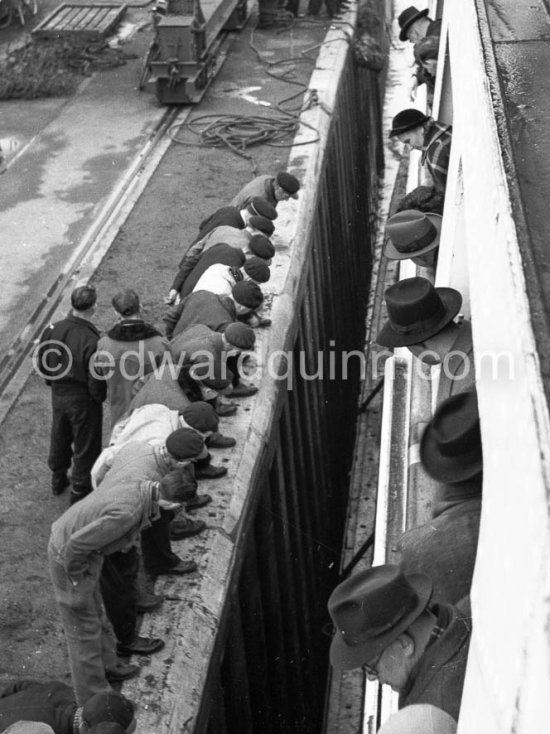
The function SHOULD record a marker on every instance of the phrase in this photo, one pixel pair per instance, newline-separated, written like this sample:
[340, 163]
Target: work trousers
[76, 435]
[119, 590]
[233, 366]
[156, 546]
[91, 646]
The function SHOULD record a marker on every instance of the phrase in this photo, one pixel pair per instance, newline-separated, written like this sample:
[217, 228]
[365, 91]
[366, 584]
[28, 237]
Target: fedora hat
[416, 311]
[371, 609]
[450, 448]
[407, 120]
[412, 233]
[407, 18]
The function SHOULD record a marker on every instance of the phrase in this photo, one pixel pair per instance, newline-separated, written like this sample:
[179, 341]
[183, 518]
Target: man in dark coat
[129, 350]
[421, 318]
[445, 548]
[223, 253]
[415, 26]
[384, 623]
[232, 216]
[216, 312]
[65, 359]
[54, 704]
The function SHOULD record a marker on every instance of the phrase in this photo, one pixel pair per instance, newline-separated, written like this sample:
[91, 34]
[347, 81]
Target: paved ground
[55, 198]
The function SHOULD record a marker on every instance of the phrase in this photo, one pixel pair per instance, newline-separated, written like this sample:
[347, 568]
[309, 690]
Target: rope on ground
[239, 132]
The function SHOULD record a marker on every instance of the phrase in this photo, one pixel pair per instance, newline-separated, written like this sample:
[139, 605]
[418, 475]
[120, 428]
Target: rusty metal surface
[517, 62]
[80, 21]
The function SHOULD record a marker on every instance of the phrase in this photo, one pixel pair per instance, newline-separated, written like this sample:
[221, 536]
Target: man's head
[450, 448]
[413, 234]
[420, 317]
[184, 445]
[260, 246]
[238, 336]
[201, 416]
[107, 707]
[286, 186]
[260, 225]
[256, 269]
[373, 612]
[413, 24]
[247, 296]
[260, 207]
[408, 127]
[126, 303]
[83, 299]
[176, 488]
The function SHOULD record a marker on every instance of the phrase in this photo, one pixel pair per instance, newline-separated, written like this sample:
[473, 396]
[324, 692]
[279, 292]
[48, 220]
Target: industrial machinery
[187, 49]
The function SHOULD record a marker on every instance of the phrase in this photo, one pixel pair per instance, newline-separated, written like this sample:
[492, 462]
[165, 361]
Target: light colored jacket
[136, 460]
[260, 186]
[217, 279]
[105, 521]
[150, 424]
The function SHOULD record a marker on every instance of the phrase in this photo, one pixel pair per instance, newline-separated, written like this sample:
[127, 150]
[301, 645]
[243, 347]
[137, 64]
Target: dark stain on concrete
[22, 181]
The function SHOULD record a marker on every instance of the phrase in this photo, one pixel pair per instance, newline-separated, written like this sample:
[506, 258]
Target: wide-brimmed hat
[407, 120]
[371, 609]
[407, 18]
[450, 448]
[416, 311]
[412, 233]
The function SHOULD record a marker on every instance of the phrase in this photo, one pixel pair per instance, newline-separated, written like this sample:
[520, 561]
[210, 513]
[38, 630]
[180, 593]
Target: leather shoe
[179, 569]
[243, 391]
[122, 672]
[140, 646]
[217, 441]
[198, 501]
[186, 528]
[210, 472]
[148, 602]
[60, 482]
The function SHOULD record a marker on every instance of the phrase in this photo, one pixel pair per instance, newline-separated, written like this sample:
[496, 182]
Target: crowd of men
[130, 499]
[409, 625]
[405, 625]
